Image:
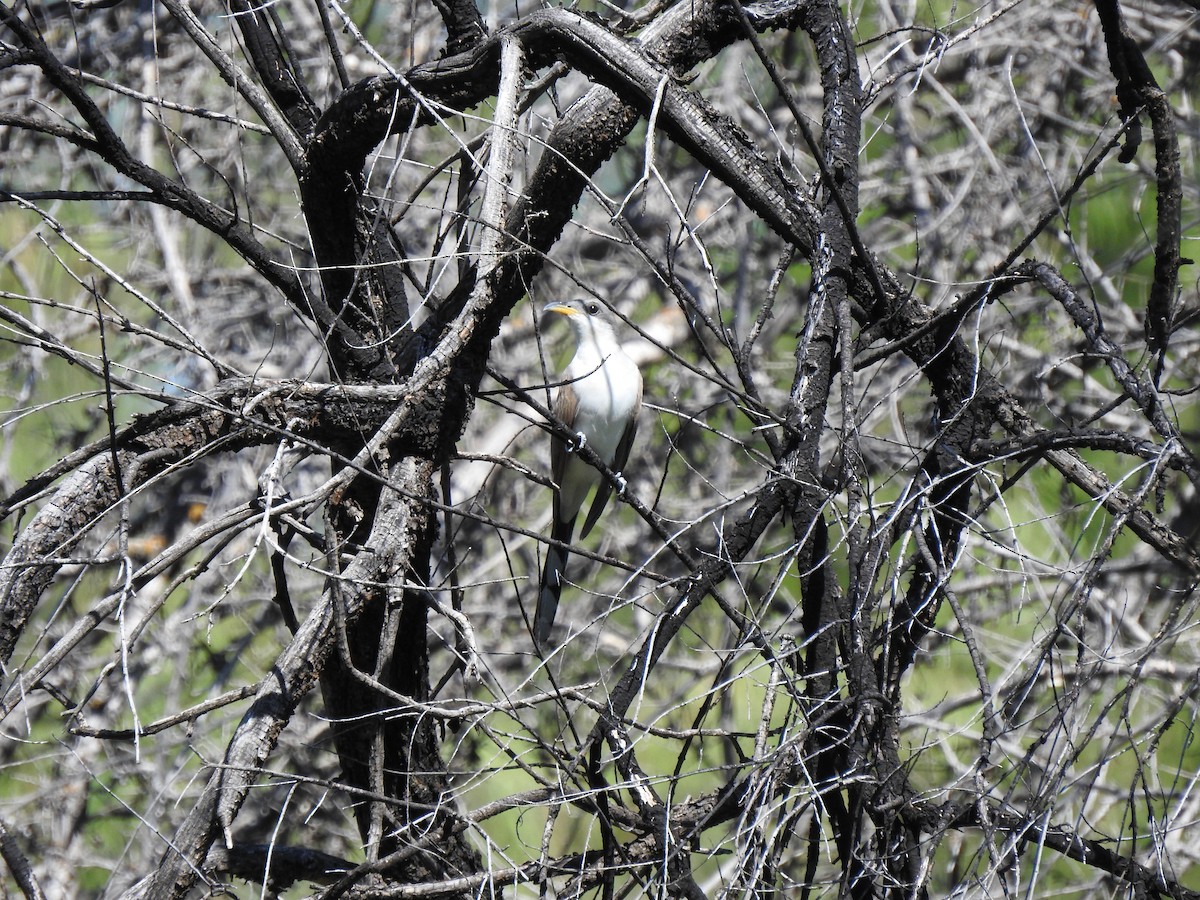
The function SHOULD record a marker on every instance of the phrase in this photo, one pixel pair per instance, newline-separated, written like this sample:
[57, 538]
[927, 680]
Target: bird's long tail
[552, 578]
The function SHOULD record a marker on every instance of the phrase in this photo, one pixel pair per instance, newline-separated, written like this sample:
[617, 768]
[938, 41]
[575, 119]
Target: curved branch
[274, 60]
[1059, 838]
[240, 413]
[1141, 390]
[294, 674]
[592, 130]
[109, 146]
[1137, 89]
[46, 543]
[281, 128]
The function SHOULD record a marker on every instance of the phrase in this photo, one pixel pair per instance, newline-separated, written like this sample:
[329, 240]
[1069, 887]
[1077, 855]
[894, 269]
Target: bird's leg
[622, 484]
[580, 442]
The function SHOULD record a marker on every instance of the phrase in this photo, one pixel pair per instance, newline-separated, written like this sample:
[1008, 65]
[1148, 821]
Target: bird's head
[590, 320]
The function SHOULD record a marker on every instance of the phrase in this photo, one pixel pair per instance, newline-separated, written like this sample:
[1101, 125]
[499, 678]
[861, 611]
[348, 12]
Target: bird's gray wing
[564, 405]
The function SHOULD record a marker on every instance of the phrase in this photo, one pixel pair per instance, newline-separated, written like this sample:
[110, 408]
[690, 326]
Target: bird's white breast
[606, 399]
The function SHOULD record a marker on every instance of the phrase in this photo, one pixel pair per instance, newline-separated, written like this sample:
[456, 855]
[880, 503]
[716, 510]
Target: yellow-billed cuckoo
[598, 400]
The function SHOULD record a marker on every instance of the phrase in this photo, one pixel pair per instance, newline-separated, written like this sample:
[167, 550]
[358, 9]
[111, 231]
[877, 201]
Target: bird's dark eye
[593, 308]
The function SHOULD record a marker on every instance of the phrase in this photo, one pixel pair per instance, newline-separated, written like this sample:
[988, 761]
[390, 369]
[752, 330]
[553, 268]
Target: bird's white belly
[602, 413]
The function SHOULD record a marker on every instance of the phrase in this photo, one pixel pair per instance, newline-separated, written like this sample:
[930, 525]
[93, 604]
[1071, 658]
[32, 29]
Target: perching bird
[598, 400]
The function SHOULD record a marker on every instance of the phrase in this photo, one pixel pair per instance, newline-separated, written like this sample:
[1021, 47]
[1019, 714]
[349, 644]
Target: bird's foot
[622, 484]
[580, 442]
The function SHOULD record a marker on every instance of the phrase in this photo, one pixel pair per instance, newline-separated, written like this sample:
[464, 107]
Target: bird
[597, 399]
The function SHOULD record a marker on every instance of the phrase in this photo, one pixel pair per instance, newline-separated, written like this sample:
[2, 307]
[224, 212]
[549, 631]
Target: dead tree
[895, 603]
